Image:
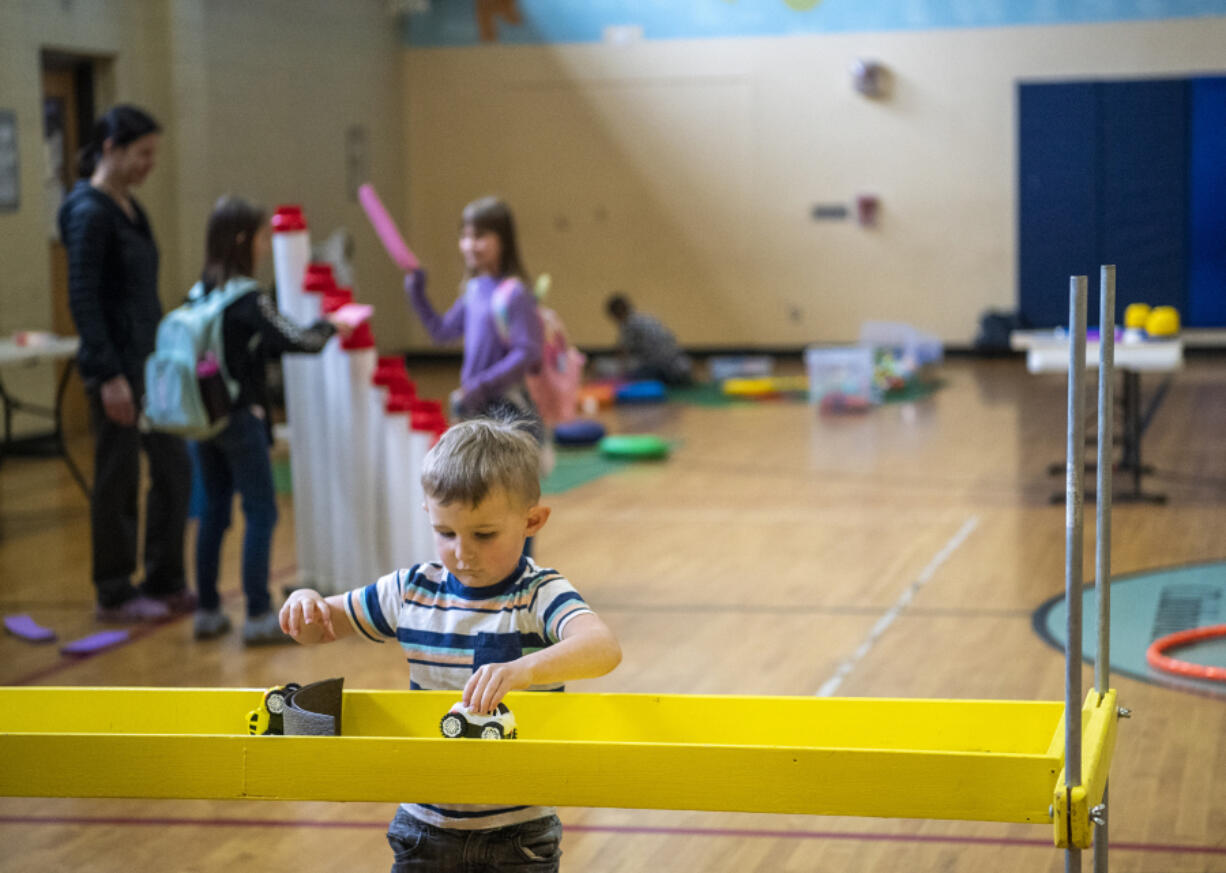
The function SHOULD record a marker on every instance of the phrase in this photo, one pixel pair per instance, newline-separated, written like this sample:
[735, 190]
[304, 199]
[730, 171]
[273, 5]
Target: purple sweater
[491, 365]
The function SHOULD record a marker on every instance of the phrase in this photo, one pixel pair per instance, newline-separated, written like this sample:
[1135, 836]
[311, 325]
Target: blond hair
[474, 457]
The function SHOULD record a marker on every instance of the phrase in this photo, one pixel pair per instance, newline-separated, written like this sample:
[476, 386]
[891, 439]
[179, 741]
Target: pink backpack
[554, 384]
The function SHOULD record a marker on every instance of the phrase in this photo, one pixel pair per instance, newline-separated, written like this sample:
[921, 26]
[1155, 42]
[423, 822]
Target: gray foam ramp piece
[315, 710]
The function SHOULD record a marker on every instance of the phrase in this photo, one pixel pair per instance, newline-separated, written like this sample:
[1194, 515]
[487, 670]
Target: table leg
[12, 404]
[1134, 429]
[1133, 425]
[59, 429]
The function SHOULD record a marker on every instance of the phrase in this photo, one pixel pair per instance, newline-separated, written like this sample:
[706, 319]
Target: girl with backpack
[238, 238]
[496, 316]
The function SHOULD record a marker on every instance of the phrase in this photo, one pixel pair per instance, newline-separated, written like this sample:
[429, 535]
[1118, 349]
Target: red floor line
[614, 829]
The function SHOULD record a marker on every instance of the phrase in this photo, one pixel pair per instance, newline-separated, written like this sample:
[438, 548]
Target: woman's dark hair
[491, 215]
[122, 125]
[229, 240]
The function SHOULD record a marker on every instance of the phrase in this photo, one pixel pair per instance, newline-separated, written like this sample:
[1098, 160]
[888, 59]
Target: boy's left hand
[491, 682]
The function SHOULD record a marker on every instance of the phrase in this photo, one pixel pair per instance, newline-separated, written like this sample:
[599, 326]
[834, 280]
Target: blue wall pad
[1057, 196]
[1207, 204]
[1103, 178]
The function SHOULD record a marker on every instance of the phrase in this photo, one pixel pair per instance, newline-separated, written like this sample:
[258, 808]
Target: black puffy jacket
[112, 284]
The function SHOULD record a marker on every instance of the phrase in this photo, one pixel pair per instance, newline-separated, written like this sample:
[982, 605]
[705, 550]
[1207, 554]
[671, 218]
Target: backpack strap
[218, 300]
[500, 303]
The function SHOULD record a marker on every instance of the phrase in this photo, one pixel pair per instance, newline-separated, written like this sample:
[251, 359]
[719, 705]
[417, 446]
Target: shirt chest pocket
[493, 648]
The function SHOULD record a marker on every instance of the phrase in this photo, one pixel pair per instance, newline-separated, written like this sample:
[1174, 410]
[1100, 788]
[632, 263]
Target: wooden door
[62, 137]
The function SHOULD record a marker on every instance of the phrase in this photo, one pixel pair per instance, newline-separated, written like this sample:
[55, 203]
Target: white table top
[1047, 352]
[48, 348]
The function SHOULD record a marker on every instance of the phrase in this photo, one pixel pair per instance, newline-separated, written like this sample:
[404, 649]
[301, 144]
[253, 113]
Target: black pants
[114, 507]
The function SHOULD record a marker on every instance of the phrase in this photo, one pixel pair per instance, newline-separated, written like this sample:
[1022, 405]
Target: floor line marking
[844, 669]
[644, 830]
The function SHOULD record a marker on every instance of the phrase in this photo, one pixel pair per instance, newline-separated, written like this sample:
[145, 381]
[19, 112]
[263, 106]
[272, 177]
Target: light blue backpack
[189, 340]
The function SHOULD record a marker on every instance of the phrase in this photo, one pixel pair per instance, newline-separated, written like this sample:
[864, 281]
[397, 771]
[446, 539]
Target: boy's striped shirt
[448, 630]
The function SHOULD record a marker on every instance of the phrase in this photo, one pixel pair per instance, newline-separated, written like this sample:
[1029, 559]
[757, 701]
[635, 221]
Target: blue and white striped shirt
[448, 630]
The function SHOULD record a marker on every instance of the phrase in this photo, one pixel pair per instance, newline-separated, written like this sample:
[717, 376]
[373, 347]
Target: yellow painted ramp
[942, 759]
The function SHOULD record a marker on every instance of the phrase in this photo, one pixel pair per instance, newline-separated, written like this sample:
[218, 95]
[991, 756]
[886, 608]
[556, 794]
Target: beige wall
[265, 93]
[684, 172]
[128, 36]
[255, 98]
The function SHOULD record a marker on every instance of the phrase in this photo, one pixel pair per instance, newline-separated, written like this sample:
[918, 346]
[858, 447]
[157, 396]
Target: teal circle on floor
[1144, 607]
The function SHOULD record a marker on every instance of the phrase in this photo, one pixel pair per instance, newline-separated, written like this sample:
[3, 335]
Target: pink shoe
[138, 609]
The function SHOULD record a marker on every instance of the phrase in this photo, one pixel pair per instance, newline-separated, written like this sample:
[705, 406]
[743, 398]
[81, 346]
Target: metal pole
[1102, 539]
[1074, 491]
[1106, 430]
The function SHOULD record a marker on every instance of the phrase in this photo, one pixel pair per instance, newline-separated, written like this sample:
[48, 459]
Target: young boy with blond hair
[486, 619]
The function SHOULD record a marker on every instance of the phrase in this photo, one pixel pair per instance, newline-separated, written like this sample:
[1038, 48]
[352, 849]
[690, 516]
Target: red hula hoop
[1159, 660]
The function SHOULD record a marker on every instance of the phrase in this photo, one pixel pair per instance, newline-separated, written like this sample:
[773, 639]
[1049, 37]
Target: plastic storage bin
[841, 377]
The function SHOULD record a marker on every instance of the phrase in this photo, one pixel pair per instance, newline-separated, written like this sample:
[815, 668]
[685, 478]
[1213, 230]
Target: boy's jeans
[532, 846]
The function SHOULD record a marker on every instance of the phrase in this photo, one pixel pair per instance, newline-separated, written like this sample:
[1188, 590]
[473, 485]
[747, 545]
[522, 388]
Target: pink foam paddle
[28, 629]
[94, 642]
[354, 314]
[389, 234]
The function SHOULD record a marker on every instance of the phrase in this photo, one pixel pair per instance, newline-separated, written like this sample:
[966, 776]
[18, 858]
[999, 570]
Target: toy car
[268, 719]
[460, 721]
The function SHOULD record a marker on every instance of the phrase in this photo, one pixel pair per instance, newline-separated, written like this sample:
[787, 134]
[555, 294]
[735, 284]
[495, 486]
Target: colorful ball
[1135, 315]
[1163, 321]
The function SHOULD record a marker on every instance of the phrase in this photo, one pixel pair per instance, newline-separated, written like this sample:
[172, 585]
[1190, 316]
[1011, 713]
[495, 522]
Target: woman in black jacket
[112, 293]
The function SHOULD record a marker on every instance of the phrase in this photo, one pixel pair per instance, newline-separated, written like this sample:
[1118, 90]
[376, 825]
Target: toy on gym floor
[642, 391]
[578, 432]
[269, 718]
[891, 370]
[26, 628]
[634, 446]
[460, 721]
[94, 643]
[765, 386]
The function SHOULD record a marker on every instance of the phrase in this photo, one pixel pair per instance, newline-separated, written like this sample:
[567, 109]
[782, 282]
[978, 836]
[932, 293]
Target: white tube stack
[427, 423]
[389, 371]
[362, 357]
[358, 436]
[349, 366]
[291, 250]
[398, 507]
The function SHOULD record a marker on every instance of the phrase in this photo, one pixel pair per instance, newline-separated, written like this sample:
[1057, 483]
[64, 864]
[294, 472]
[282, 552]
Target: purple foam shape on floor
[28, 629]
[94, 642]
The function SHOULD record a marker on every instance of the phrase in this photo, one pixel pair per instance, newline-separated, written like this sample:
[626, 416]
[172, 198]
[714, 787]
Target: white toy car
[460, 721]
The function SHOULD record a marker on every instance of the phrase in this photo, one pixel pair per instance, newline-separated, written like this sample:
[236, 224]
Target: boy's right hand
[307, 618]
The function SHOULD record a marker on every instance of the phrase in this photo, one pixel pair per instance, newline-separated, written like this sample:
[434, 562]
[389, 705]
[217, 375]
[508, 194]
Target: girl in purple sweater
[495, 315]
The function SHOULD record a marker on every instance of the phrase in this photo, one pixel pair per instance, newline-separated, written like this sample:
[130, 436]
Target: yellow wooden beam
[948, 759]
[1072, 824]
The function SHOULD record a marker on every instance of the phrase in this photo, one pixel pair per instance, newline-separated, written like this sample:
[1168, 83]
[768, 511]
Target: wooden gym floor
[757, 560]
